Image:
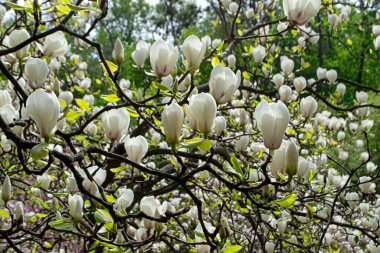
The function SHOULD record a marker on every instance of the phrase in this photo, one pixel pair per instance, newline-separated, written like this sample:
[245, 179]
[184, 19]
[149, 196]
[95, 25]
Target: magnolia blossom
[287, 65]
[125, 199]
[321, 73]
[278, 80]
[76, 207]
[163, 57]
[172, 120]
[223, 83]
[19, 213]
[300, 12]
[193, 50]
[285, 93]
[272, 120]
[341, 89]
[151, 207]
[118, 52]
[43, 108]
[220, 125]
[308, 106]
[6, 189]
[36, 72]
[17, 37]
[277, 166]
[44, 180]
[115, 123]
[258, 53]
[201, 112]
[136, 148]
[55, 45]
[299, 84]
[98, 175]
[203, 248]
[231, 60]
[5, 98]
[331, 76]
[361, 97]
[141, 53]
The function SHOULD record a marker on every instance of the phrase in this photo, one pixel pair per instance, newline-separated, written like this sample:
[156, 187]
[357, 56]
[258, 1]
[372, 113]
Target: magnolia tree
[260, 158]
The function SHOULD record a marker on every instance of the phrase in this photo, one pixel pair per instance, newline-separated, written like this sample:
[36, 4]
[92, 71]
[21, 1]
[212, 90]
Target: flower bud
[331, 76]
[287, 65]
[231, 60]
[19, 213]
[141, 53]
[193, 51]
[321, 73]
[299, 84]
[220, 125]
[172, 120]
[44, 180]
[285, 93]
[308, 106]
[361, 97]
[17, 37]
[341, 89]
[278, 80]
[272, 120]
[6, 189]
[259, 53]
[76, 207]
[201, 111]
[136, 148]
[291, 164]
[43, 108]
[5, 98]
[118, 52]
[36, 72]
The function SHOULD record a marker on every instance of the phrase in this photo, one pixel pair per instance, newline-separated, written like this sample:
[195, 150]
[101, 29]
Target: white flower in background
[270, 246]
[115, 123]
[250, 13]
[331, 76]
[201, 111]
[203, 248]
[272, 120]
[361, 97]
[308, 106]
[19, 212]
[233, 8]
[366, 186]
[3, 11]
[97, 174]
[163, 58]
[299, 84]
[341, 89]
[17, 37]
[278, 80]
[55, 45]
[207, 40]
[141, 53]
[285, 93]
[36, 72]
[151, 207]
[376, 30]
[258, 53]
[220, 125]
[334, 20]
[44, 180]
[321, 73]
[76, 207]
[66, 96]
[8, 113]
[223, 83]
[376, 43]
[343, 155]
[5, 98]
[172, 120]
[291, 162]
[300, 12]
[136, 148]
[287, 65]
[185, 83]
[231, 60]
[125, 199]
[193, 50]
[215, 43]
[242, 143]
[43, 108]
[371, 167]
[367, 124]
[118, 52]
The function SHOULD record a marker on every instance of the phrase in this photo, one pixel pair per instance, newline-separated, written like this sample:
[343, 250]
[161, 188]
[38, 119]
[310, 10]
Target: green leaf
[287, 201]
[4, 214]
[215, 61]
[39, 151]
[206, 145]
[228, 168]
[103, 216]
[349, 42]
[159, 86]
[64, 9]
[84, 105]
[246, 75]
[112, 98]
[232, 249]
[236, 166]
[62, 102]
[192, 143]
[41, 215]
[112, 66]
[80, 8]
[73, 115]
[17, 7]
[132, 113]
[64, 224]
